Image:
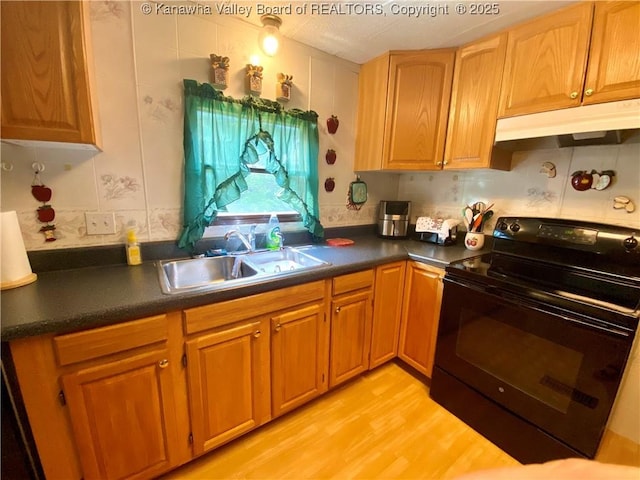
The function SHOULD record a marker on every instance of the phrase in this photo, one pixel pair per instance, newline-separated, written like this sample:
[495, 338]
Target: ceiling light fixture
[269, 37]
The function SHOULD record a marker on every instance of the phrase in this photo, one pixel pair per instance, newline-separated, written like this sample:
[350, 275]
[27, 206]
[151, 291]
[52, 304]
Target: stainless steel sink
[210, 273]
[178, 276]
[285, 260]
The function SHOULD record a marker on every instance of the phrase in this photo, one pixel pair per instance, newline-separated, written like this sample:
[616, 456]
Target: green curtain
[224, 136]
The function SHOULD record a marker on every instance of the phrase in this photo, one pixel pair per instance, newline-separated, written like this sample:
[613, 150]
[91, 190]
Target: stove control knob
[503, 226]
[630, 243]
[515, 227]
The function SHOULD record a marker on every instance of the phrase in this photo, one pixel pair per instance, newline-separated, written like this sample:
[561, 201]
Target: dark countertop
[67, 300]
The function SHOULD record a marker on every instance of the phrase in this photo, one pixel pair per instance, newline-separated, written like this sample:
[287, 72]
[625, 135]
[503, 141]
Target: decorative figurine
[283, 87]
[254, 79]
[219, 71]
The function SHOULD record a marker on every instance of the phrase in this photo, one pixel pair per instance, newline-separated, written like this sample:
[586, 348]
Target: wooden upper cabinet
[474, 106]
[46, 90]
[545, 62]
[408, 132]
[613, 72]
[372, 104]
[579, 55]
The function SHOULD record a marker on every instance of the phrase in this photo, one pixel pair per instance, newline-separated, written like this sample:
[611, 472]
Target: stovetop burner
[594, 270]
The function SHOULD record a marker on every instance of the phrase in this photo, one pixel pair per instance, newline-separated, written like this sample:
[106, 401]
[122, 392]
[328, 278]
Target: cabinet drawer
[218, 314]
[98, 342]
[352, 281]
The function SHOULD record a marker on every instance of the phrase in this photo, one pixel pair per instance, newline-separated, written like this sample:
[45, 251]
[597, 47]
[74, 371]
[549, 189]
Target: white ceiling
[359, 37]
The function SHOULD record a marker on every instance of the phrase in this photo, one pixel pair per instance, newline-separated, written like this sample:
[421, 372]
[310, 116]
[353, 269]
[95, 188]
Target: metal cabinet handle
[588, 92]
[446, 162]
[164, 363]
[257, 334]
[337, 309]
[438, 163]
[573, 95]
[277, 327]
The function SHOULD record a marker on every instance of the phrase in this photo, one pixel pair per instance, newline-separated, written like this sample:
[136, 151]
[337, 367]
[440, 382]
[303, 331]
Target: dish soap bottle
[133, 249]
[273, 233]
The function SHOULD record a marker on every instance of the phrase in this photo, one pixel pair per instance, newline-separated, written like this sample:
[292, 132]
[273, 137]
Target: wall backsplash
[140, 61]
[526, 191]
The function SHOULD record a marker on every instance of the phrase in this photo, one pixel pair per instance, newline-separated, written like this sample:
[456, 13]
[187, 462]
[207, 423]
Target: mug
[474, 240]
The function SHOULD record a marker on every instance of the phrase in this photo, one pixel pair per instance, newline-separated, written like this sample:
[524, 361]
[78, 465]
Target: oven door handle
[528, 303]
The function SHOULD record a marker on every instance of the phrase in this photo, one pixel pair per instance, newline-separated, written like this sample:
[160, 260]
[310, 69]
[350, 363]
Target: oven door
[556, 370]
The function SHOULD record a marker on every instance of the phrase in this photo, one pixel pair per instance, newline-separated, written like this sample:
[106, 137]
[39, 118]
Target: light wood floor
[381, 425]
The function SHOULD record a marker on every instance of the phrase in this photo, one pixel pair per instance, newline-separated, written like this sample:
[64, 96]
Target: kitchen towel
[14, 264]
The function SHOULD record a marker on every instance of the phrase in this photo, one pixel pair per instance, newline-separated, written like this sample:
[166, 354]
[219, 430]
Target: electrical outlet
[100, 223]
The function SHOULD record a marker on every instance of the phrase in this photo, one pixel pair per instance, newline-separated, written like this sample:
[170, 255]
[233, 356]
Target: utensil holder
[474, 240]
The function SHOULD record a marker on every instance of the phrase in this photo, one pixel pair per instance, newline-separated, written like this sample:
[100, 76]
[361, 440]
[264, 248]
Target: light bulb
[269, 37]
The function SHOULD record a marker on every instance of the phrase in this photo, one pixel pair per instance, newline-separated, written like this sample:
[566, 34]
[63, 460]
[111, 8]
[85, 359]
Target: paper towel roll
[14, 267]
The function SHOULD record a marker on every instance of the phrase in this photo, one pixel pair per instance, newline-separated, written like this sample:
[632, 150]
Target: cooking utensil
[468, 216]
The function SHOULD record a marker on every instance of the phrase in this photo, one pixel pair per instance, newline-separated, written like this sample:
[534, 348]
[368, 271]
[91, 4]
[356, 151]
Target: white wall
[140, 61]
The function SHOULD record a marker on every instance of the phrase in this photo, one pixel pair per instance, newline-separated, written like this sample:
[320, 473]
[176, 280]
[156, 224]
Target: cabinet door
[228, 374]
[474, 105]
[614, 59]
[387, 311]
[546, 62]
[350, 336]
[123, 416]
[298, 357]
[45, 80]
[421, 312]
[417, 109]
[372, 103]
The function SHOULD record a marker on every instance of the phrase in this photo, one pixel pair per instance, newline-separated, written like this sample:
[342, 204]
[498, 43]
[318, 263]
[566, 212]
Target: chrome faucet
[281, 236]
[252, 236]
[242, 237]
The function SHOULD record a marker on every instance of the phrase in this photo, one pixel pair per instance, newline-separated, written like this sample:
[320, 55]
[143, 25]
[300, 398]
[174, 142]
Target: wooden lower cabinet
[298, 357]
[228, 379]
[145, 396]
[109, 402]
[122, 414]
[387, 312]
[420, 315]
[350, 326]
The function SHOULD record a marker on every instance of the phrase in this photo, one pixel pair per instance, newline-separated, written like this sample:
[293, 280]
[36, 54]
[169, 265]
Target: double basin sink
[211, 273]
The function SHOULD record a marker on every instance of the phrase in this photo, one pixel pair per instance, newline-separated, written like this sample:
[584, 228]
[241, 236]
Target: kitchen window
[235, 147]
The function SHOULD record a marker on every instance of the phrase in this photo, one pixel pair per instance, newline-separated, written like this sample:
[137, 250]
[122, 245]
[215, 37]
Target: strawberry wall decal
[332, 124]
[330, 156]
[329, 184]
[46, 213]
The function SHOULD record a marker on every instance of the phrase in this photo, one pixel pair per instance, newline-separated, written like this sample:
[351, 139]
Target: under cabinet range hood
[598, 124]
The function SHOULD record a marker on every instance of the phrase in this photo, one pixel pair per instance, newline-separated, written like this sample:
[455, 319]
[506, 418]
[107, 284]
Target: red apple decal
[41, 193]
[331, 156]
[329, 184]
[581, 180]
[46, 214]
[332, 124]
[472, 242]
